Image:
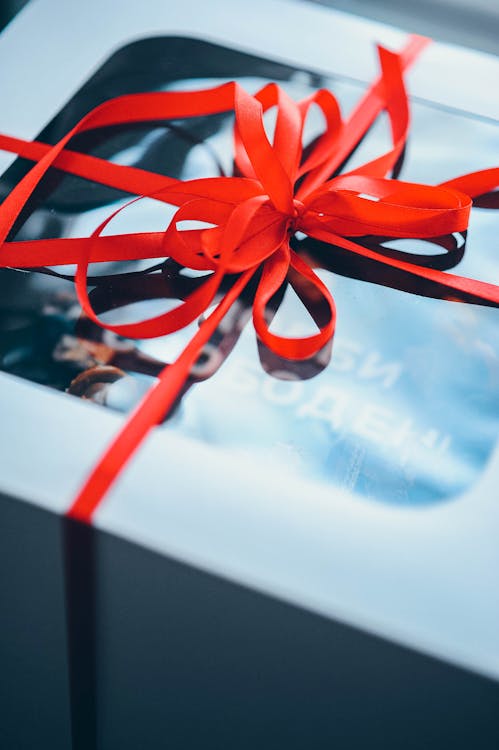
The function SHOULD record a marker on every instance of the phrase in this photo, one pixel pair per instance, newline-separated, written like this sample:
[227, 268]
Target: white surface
[426, 577]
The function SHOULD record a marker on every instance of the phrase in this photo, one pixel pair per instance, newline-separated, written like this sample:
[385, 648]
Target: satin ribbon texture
[247, 220]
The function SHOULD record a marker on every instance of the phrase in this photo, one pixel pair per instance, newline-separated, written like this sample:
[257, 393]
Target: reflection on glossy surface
[407, 410]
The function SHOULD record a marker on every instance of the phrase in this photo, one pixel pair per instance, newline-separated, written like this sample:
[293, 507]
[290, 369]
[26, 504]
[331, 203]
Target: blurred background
[472, 23]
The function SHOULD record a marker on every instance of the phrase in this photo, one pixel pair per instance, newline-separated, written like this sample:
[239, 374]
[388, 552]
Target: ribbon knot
[298, 211]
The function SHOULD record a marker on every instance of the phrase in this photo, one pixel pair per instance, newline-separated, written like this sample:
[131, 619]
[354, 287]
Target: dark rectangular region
[140, 651]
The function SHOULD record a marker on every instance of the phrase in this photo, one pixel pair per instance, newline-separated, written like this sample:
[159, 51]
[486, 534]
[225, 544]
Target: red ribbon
[251, 218]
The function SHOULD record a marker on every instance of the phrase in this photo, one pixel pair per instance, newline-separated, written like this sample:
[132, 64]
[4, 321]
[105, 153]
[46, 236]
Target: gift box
[303, 552]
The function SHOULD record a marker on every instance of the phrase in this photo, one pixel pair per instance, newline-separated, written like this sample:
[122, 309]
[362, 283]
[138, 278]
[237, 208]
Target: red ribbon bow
[251, 219]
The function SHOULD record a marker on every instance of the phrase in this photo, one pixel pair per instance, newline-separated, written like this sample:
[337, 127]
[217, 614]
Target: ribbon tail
[69, 251]
[155, 405]
[475, 183]
[480, 289]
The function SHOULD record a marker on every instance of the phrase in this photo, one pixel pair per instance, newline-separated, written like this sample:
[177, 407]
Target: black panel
[188, 660]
